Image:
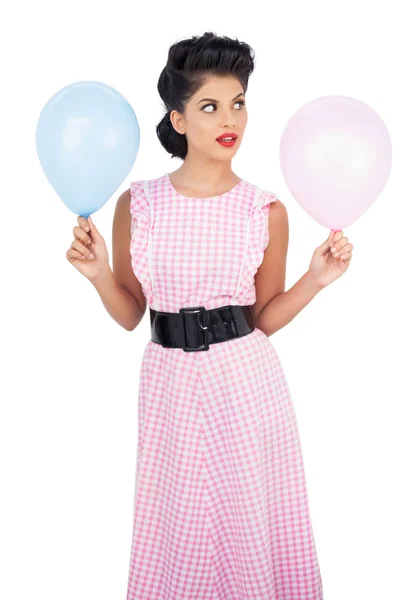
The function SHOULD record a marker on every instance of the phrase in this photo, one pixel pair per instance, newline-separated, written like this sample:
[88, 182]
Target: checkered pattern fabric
[220, 508]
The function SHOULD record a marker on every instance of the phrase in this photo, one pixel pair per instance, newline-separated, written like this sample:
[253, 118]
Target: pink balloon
[335, 156]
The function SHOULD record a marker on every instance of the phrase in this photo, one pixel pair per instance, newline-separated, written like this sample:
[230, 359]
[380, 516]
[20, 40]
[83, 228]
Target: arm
[275, 308]
[119, 289]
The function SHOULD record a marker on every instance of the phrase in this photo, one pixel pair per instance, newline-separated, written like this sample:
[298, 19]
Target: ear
[178, 122]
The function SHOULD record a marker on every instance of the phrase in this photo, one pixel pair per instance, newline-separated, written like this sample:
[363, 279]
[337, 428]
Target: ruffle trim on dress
[257, 238]
[141, 224]
[264, 204]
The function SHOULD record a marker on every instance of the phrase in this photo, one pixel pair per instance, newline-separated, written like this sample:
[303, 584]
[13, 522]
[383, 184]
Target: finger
[346, 256]
[324, 247]
[79, 234]
[336, 237]
[339, 245]
[93, 230]
[346, 248]
[83, 222]
[73, 254]
[81, 248]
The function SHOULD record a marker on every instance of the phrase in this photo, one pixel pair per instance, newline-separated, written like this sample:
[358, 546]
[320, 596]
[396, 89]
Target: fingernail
[86, 228]
[91, 256]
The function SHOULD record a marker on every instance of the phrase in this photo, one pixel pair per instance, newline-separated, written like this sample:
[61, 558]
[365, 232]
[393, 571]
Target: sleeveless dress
[220, 506]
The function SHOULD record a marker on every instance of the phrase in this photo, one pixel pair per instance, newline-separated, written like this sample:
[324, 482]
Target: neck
[205, 172]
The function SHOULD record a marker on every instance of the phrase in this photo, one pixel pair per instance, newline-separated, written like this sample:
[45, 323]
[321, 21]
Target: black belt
[195, 328]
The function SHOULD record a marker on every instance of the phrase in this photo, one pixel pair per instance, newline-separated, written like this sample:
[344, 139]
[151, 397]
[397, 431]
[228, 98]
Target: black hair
[189, 63]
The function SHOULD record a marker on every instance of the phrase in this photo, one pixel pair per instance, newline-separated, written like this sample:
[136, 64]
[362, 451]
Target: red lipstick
[225, 142]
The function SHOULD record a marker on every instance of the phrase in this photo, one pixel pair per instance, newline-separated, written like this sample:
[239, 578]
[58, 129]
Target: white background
[69, 383]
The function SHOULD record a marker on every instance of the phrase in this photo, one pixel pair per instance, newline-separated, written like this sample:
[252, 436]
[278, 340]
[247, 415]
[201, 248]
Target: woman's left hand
[331, 259]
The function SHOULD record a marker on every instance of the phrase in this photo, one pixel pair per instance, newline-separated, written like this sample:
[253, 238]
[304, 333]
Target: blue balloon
[87, 139]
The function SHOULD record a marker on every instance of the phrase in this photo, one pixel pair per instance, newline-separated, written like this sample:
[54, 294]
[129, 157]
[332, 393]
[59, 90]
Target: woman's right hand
[88, 241]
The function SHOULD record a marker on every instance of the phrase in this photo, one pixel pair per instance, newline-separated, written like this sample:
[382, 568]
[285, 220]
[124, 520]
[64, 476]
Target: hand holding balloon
[88, 243]
[331, 259]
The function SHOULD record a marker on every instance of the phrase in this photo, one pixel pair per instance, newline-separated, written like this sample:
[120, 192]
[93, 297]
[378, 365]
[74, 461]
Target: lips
[224, 135]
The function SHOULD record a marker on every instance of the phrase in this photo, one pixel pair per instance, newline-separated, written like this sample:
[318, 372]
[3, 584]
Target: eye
[241, 102]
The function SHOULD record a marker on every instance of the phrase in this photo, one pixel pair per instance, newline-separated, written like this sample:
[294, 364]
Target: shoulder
[146, 188]
[123, 203]
[124, 198]
[121, 213]
[276, 215]
[137, 198]
[278, 224]
[136, 188]
[133, 200]
[278, 211]
[142, 185]
[269, 200]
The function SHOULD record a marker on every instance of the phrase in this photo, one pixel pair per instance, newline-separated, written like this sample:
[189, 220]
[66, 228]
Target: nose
[227, 120]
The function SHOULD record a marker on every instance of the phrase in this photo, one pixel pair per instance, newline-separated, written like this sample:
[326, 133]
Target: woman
[221, 508]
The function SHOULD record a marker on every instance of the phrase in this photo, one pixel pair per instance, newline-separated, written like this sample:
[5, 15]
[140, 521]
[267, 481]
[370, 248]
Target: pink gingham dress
[220, 508]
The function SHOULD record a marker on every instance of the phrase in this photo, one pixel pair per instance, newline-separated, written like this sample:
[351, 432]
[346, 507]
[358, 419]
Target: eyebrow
[216, 101]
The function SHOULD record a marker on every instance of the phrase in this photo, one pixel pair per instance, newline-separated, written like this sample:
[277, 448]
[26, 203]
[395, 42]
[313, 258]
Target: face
[216, 108]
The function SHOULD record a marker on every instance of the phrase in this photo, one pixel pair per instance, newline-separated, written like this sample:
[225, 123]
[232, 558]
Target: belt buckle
[193, 310]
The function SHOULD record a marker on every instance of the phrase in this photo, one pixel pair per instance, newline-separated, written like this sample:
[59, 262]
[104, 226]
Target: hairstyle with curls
[189, 63]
